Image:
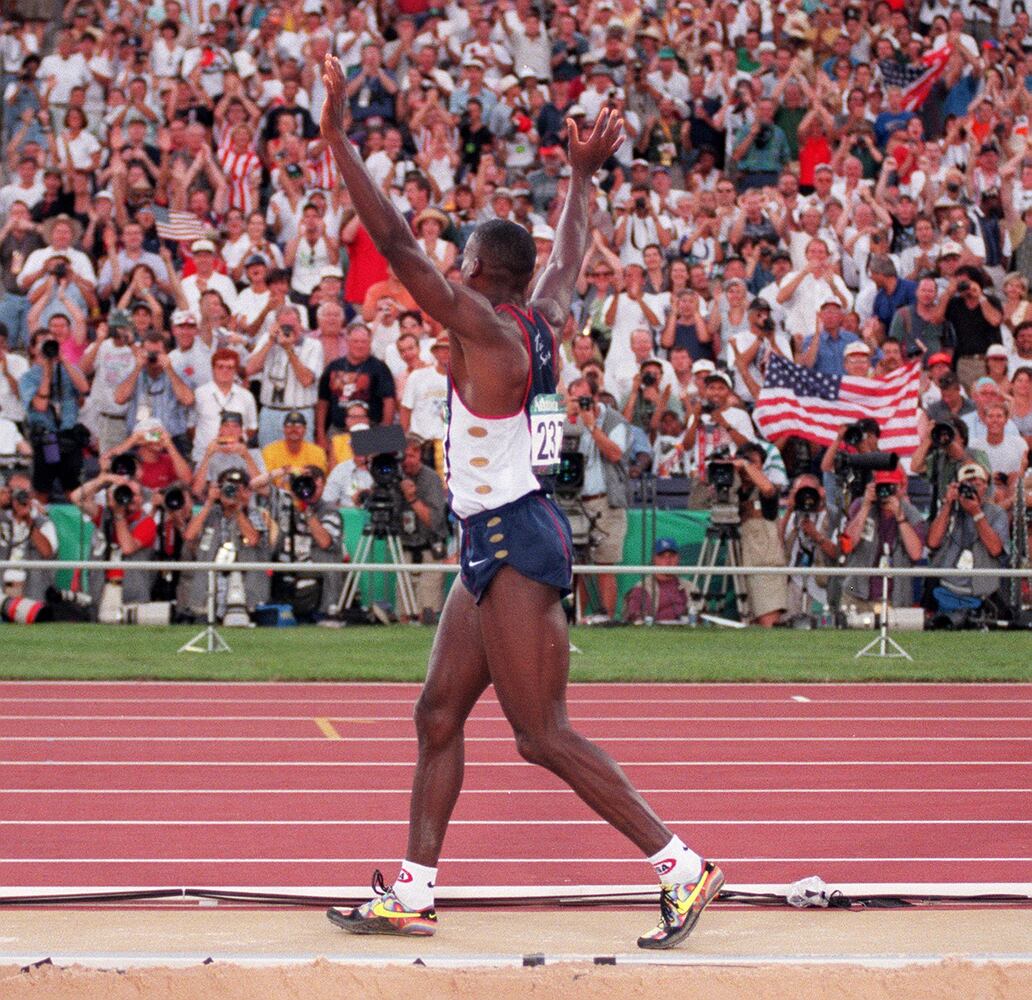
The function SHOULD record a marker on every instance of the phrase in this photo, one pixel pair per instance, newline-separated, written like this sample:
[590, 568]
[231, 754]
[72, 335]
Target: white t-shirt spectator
[10, 193]
[250, 304]
[1007, 456]
[10, 437]
[112, 366]
[67, 73]
[802, 308]
[79, 262]
[426, 395]
[192, 366]
[220, 283]
[10, 402]
[210, 402]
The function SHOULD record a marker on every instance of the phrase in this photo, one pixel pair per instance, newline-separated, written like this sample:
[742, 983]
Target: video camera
[384, 502]
[721, 475]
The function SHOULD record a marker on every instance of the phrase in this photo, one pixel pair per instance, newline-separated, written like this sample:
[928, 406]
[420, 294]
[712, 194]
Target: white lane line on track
[516, 763]
[362, 738]
[407, 791]
[480, 861]
[583, 685]
[351, 718]
[512, 822]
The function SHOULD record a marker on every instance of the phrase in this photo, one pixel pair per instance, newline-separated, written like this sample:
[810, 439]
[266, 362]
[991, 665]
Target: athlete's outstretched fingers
[456, 678]
[528, 652]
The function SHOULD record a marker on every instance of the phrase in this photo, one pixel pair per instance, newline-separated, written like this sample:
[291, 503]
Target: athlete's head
[499, 257]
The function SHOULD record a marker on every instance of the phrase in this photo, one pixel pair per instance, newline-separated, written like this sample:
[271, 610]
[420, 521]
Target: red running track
[306, 785]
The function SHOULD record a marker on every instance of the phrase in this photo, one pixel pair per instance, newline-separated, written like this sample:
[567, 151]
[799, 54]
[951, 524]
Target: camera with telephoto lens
[943, 434]
[303, 486]
[854, 435]
[766, 325]
[175, 498]
[648, 379]
[122, 495]
[807, 500]
[50, 349]
[21, 496]
[639, 204]
[883, 491]
[60, 271]
[123, 465]
[963, 285]
[585, 402]
[967, 491]
[763, 137]
[229, 490]
[708, 408]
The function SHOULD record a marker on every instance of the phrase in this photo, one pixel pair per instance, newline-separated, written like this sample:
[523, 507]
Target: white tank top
[489, 459]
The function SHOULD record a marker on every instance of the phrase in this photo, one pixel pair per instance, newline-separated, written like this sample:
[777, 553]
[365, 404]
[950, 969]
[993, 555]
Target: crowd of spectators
[192, 310]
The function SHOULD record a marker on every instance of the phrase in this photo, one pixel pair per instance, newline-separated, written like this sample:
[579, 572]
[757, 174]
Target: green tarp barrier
[688, 527]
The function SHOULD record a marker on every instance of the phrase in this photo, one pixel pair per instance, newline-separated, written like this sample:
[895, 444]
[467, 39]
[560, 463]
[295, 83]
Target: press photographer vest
[490, 459]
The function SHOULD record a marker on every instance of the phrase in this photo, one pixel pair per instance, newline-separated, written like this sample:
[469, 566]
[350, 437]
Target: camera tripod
[721, 548]
[403, 580]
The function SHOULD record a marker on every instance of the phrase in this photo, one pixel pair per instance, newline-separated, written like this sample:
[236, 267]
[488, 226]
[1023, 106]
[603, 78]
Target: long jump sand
[969, 953]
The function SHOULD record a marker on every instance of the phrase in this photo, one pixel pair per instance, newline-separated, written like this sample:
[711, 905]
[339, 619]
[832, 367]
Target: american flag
[802, 403]
[935, 65]
[178, 226]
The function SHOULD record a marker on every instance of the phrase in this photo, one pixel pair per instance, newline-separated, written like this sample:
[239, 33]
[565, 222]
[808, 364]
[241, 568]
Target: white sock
[414, 886]
[676, 863]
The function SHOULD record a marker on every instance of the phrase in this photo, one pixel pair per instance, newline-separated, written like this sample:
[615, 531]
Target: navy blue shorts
[531, 535]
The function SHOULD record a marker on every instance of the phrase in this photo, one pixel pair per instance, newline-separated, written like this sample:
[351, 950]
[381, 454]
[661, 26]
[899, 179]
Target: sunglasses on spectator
[601, 274]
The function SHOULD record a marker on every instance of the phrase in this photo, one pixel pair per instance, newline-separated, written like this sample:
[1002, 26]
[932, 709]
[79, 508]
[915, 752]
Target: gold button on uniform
[501, 553]
[496, 537]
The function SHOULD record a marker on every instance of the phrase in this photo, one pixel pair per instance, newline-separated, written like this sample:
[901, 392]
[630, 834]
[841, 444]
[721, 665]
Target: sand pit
[323, 980]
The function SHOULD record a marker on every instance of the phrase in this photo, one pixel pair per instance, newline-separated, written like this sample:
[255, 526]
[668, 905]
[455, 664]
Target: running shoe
[680, 907]
[384, 914]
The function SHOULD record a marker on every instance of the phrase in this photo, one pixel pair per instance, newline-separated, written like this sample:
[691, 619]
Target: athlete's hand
[335, 111]
[607, 135]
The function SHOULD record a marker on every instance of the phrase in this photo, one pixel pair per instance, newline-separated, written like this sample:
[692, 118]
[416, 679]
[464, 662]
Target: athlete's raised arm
[464, 312]
[554, 290]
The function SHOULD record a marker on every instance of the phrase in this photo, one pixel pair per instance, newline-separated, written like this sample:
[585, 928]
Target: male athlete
[505, 624]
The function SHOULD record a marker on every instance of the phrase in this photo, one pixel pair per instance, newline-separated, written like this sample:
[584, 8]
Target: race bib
[547, 416]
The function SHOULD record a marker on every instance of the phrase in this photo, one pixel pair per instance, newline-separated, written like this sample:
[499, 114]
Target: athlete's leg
[528, 652]
[456, 678]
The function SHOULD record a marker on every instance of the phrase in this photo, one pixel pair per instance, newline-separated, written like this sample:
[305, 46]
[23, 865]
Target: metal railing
[579, 569]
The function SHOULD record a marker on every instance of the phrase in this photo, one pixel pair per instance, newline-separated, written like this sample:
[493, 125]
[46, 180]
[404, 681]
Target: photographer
[228, 450]
[109, 361]
[860, 438]
[761, 541]
[602, 436]
[121, 533]
[808, 534]
[50, 392]
[288, 364]
[939, 455]
[153, 388]
[26, 532]
[716, 423]
[975, 317]
[308, 530]
[640, 226]
[424, 526]
[171, 510]
[968, 533]
[648, 400]
[882, 524]
[157, 459]
[761, 148]
[226, 526]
